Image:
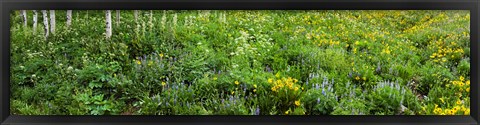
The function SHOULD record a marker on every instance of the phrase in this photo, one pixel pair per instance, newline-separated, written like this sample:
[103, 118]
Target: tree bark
[135, 13]
[35, 21]
[45, 23]
[52, 21]
[118, 17]
[69, 18]
[108, 24]
[24, 15]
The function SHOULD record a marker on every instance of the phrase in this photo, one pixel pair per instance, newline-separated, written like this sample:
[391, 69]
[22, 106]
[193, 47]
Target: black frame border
[8, 5]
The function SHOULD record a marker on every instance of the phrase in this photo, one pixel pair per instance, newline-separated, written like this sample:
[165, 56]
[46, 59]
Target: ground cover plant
[240, 62]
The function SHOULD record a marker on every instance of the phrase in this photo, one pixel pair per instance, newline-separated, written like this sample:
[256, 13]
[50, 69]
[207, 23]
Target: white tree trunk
[35, 21]
[24, 15]
[69, 18]
[150, 21]
[108, 24]
[135, 13]
[118, 18]
[45, 22]
[52, 21]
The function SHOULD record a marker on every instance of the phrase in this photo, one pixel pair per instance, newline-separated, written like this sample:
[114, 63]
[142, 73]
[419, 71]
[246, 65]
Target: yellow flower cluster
[445, 51]
[457, 109]
[324, 42]
[462, 84]
[283, 83]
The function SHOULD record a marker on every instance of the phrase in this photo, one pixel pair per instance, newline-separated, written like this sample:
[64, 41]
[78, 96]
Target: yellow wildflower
[296, 88]
[236, 82]
[459, 102]
[161, 55]
[468, 89]
[467, 112]
[254, 90]
[139, 62]
[297, 103]
[468, 82]
[270, 80]
[163, 83]
[364, 78]
[233, 92]
[286, 112]
[357, 78]
[277, 75]
[255, 85]
[462, 78]
[215, 78]
[150, 63]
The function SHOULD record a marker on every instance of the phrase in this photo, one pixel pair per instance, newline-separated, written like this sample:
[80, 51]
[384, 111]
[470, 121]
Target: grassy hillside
[271, 62]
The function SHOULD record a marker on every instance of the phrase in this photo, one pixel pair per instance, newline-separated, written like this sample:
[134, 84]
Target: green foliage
[266, 62]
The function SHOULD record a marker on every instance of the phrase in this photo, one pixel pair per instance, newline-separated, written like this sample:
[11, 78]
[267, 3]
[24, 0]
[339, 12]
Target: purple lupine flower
[318, 100]
[257, 111]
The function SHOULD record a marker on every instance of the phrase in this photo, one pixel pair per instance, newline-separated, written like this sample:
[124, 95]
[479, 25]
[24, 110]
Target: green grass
[271, 62]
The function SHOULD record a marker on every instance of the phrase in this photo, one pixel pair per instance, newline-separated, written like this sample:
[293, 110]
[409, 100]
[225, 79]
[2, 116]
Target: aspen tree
[52, 21]
[45, 23]
[35, 21]
[108, 24]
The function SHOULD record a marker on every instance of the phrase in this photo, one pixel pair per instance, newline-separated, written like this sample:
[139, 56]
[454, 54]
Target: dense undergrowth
[244, 63]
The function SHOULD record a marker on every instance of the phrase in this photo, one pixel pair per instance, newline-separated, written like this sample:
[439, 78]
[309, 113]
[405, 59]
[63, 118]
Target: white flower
[70, 68]
[34, 75]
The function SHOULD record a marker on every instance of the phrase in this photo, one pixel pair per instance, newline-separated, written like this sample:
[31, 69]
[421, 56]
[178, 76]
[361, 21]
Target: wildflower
[255, 85]
[357, 78]
[468, 82]
[296, 88]
[467, 112]
[139, 62]
[71, 68]
[277, 75]
[150, 63]
[468, 89]
[462, 78]
[254, 90]
[161, 55]
[297, 103]
[236, 82]
[270, 80]
[214, 78]
[364, 78]
[163, 83]
[257, 111]
[459, 102]
[286, 112]
[233, 92]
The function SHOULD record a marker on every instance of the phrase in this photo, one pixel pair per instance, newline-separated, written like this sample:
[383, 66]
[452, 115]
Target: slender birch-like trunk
[118, 18]
[150, 21]
[108, 24]
[45, 23]
[35, 21]
[135, 13]
[52, 21]
[69, 18]
[24, 15]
